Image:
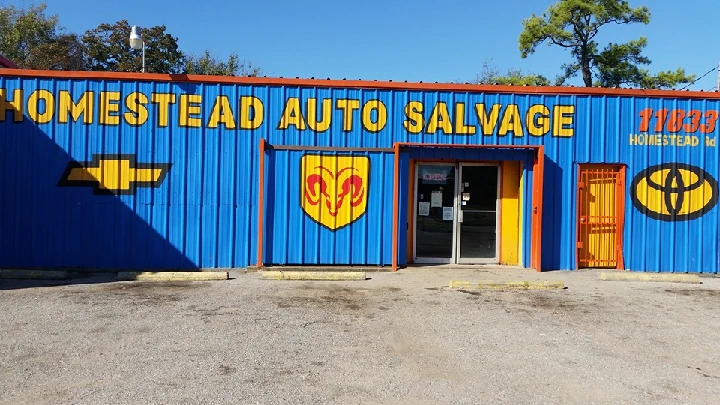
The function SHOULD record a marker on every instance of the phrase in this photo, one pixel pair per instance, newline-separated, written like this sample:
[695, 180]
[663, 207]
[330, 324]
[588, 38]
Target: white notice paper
[447, 213]
[424, 209]
[436, 199]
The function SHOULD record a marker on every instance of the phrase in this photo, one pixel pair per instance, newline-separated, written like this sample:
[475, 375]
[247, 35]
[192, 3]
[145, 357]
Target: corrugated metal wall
[201, 215]
[296, 238]
[204, 211]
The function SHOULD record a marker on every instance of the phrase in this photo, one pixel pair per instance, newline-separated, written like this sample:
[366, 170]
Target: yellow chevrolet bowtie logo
[118, 174]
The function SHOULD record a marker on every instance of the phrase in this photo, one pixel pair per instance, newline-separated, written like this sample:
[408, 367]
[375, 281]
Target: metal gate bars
[601, 207]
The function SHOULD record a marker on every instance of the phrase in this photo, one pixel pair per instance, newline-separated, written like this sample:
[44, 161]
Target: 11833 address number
[673, 121]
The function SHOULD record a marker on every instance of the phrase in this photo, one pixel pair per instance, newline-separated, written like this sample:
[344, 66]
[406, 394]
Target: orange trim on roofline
[366, 84]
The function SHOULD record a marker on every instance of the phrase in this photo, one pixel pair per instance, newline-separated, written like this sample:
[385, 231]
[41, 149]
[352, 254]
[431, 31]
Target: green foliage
[514, 77]
[66, 52]
[667, 79]
[108, 49]
[209, 64]
[618, 64]
[574, 25]
[24, 29]
[33, 40]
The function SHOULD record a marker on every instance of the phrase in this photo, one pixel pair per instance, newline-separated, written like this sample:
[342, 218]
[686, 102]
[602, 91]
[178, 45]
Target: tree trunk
[586, 73]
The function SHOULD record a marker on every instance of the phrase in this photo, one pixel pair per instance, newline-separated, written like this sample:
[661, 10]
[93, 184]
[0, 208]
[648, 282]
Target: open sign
[434, 176]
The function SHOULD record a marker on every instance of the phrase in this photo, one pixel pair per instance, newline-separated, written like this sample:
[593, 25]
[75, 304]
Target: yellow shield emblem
[334, 189]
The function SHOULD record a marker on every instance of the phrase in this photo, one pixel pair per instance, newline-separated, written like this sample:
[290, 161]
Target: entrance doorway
[600, 217]
[456, 213]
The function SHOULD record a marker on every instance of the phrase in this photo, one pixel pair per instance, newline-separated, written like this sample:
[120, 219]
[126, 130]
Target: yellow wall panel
[520, 216]
[510, 213]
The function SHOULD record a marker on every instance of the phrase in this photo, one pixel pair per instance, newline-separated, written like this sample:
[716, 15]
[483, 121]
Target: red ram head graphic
[334, 189]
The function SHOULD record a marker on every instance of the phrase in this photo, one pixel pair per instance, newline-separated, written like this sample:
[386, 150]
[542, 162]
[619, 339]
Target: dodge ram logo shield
[334, 189]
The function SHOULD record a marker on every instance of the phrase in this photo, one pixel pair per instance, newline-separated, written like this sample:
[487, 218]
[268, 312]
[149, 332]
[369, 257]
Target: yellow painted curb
[33, 274]
[671, 278]
[173, 276]
[314, 275]
[508, 285]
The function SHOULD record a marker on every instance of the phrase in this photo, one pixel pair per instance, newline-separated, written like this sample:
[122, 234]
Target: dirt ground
[396, 338]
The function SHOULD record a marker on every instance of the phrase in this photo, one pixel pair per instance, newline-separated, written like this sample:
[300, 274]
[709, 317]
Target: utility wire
[693, 82]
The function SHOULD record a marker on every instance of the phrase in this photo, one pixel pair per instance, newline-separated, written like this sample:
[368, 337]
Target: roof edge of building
[7, 63]
[359, 84]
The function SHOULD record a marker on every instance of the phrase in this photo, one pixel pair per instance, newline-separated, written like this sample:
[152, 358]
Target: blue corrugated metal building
[152, 172]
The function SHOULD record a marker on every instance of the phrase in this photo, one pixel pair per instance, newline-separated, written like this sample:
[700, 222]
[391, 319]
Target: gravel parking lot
[397, 338]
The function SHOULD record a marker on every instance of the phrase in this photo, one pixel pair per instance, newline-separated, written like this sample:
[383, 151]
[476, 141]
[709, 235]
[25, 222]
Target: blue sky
[397, 40]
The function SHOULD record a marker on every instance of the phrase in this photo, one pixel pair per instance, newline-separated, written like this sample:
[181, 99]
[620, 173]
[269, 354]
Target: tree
[514, 77]
[108, 49]
[33, 40]
[66, 52]
[22, 30]
[208, 64]
[667, 79]
[574, 25]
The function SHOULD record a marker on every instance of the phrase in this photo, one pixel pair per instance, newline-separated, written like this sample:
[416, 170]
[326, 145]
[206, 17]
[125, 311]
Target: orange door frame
[536, 240]
[537, 194]
[263, 146]
[619, 210]
[261, 204]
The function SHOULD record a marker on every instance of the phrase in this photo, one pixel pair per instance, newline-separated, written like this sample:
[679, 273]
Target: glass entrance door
[435, 196]
[477, 214]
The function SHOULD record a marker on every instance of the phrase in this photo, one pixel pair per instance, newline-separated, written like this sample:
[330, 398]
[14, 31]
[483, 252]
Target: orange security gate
[601, 207]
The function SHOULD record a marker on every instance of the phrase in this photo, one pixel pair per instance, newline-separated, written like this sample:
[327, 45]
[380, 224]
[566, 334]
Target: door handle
[460, 217]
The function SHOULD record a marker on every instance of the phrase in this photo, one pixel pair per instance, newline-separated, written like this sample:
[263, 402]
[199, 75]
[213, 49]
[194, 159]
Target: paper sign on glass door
[424, 209]
[436, 199]
[447, 213]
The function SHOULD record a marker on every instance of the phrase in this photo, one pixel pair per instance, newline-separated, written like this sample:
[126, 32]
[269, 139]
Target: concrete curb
[14, 274]
[310, 268]
[314, 275]
[507, 285]
[173, 276]
[670, 278]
